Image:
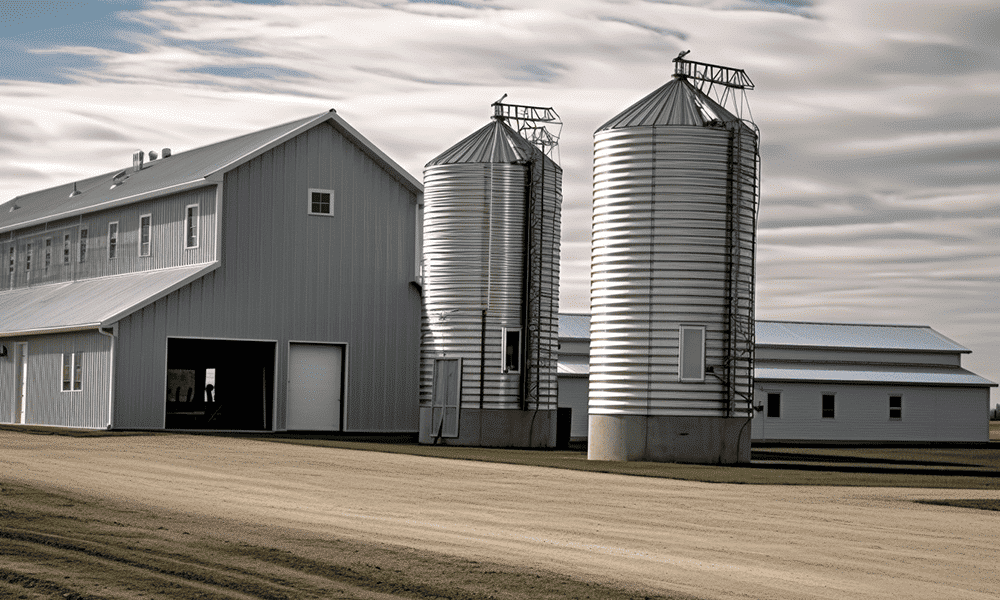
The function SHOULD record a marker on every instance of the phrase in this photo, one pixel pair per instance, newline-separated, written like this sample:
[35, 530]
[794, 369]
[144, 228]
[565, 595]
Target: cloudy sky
[880, 121]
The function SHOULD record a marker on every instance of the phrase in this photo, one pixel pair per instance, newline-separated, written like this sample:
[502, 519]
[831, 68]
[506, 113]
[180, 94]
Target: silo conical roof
[497, 142]
[675, 103]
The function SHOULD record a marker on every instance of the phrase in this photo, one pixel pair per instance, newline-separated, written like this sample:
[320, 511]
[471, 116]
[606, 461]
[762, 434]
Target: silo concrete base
[495, 428]
[704, 440]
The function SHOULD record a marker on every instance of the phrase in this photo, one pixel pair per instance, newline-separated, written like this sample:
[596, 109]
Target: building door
[446, 395]
[315, 385]
[22, 384]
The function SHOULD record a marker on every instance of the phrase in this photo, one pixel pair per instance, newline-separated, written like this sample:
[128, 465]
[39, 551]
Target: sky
[880, 121]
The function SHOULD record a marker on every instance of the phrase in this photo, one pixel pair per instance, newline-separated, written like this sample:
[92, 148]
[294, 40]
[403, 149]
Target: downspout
[113, 334]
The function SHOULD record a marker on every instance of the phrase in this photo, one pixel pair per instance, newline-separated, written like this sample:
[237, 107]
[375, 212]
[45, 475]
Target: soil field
[195, 516]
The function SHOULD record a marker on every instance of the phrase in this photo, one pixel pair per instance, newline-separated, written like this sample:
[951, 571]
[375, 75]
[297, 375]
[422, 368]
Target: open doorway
[219, 384]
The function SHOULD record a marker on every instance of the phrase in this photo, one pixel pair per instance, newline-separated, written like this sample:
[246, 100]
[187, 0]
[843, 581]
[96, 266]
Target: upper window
[66, 247]
[11, 264]
[321, 202]
[774, 406]
[83, 244]
[511, 350]
[828, 406]
[692, 353]
[895, 407]
[113, 239]
[48, 253]
[27, 258]
[145, 223]
[191, 227]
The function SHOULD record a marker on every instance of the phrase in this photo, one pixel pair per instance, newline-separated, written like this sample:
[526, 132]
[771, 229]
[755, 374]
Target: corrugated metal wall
[660, 261]
[945, 414]
[167, 241]
[46, 403]
[288, 276]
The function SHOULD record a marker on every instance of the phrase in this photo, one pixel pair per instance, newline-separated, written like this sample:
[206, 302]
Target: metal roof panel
[675, 103]
[854, 336]
[898, 376]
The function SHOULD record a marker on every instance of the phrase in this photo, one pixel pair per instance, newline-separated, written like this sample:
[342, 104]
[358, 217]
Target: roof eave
[962, 350]
[114, 318]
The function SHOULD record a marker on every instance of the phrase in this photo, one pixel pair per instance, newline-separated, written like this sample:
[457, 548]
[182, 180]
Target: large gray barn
[267, 282]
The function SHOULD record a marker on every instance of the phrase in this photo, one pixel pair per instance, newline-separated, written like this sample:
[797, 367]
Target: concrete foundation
[496, 428]
[704, 440]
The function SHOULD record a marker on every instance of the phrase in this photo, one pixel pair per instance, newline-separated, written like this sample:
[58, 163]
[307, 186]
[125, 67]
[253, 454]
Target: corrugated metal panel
[659, 261]
[845, 335]
[574, 327]
[474, 254]
[289, 276]
[46, 403]
[675, 103]
[574, 368]
[88, 302]
[899, 375]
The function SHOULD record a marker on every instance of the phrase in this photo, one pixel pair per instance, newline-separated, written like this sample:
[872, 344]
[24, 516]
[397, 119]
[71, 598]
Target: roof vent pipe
[75, 191]
[152, 155]
[137, 157]
[166, 152]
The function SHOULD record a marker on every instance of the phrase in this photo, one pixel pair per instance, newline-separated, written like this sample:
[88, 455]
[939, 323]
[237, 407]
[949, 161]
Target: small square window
[72, 371]
[828, 406]
[895, 407]
[774, 406]
[321, 202]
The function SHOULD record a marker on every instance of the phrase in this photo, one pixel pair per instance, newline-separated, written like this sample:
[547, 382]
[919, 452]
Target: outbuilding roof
[854, 336]
[179, 172]
[889, 375]
[89, 303]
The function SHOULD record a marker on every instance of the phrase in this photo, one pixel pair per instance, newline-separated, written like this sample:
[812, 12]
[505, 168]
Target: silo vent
[166, 153]
[152, 155]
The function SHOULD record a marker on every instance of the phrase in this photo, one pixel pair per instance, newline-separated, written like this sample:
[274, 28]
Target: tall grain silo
[491, 230]
[672, 274]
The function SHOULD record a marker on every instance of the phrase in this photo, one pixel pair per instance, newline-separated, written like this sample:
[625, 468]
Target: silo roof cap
[675, 103]
[497, 142]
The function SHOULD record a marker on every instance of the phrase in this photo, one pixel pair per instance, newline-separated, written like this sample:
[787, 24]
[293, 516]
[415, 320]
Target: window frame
[12, 263]
[67, 248]
[148, 218]
[48, 253]
[776, 412]
[504, 344]
[309, 202]
[82, 249]
[191, 218]
[72, 372]
[113, 240]
[681, 346]
[833, 406]
[27, 257]
[899, 416]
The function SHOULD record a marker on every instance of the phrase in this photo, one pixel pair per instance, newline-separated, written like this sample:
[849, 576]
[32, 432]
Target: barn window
[72, 371]
[828, 402]
[511, 350]
[896, 407]
[83, 244]
[48, 254]
[692, 353]
[112, 239]
[321, 202]
[774, 406]
[11, 263]
[145, 223]
[27, 258]
[191, 227]
[66, 247]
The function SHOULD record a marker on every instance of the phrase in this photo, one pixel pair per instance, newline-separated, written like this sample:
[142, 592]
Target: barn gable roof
[182, 171]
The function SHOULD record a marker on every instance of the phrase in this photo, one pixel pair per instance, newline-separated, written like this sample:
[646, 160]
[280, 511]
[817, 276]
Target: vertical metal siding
[46, 403]
[658, 262]
[285, 275]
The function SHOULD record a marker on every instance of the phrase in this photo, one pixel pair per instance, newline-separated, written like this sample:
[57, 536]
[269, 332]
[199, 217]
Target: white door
[446, 399]
[314, 387]
[22, 388]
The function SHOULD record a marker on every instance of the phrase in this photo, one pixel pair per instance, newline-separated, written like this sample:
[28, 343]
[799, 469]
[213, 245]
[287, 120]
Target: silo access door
[446, 396]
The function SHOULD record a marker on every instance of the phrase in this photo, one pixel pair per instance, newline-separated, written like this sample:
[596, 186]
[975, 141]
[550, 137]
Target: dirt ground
[180, 516]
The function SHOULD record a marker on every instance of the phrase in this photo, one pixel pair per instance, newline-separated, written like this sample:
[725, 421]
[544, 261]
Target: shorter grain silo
[491, 230]
[672, 273]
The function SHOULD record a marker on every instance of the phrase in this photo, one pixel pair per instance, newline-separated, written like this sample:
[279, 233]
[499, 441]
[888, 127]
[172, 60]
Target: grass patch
[978, 503]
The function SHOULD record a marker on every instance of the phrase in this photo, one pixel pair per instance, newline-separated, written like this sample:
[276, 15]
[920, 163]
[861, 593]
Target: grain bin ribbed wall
[673, 248]
[480, 277]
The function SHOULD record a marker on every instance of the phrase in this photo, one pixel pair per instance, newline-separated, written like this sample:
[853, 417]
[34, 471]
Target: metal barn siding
[288, 276]
[46, 403]
[475, 256]
[167, 241]
[673, 235]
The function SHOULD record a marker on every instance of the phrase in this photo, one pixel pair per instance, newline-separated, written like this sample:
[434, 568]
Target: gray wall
[945, 414]
[46, 403]
[288, 276]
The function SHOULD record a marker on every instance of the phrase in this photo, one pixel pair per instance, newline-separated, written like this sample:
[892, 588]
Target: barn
[832, 382]
[265, 282]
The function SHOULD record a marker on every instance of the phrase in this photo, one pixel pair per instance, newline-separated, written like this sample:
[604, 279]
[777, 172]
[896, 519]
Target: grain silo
[672, 273]
[491, 232]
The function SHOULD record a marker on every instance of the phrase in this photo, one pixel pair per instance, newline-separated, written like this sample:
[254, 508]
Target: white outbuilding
[833, 382]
